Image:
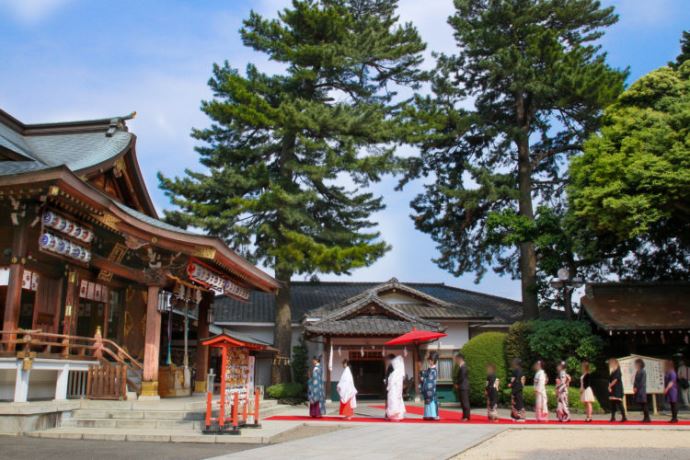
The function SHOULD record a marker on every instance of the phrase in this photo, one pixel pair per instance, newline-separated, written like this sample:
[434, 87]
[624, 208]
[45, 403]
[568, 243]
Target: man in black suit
[462, 386]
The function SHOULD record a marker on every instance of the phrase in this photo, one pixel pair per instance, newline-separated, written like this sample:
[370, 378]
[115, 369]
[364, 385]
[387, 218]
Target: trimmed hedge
[484, 349]
[576, 406]
[286, 391]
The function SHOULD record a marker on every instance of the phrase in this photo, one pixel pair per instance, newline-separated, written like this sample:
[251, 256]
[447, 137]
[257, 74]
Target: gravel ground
[583, 444]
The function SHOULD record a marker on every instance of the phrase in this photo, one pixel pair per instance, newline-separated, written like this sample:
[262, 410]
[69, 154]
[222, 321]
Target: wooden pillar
[149, 385]
[69, 323]
[328, 370]
[415, 370]
[202, 351]
[13, 298]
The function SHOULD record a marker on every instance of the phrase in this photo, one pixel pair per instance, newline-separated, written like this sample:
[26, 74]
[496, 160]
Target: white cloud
[32, 11]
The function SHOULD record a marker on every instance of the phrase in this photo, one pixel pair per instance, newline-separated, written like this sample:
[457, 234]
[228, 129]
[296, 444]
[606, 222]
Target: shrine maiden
[347, 392]
[315, 391]
[395, 409]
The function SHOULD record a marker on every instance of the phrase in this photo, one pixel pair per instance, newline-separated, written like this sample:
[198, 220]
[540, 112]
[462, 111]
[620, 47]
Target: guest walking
[395, 409]
[516, 385]
[315, 391]
[428, 388]
[462, 386]
[684, 383]
[347, 392]
[616, 390]
[541, 405]
[562, 388]
[640, 389]
[671, 390]
[586, 392]
[491, 390]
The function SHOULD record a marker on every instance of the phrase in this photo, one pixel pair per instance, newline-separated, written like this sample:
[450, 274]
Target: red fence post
[257, 395]
[209, 409]
[235, 403]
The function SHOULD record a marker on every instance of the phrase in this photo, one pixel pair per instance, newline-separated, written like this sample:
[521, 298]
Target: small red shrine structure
[239, 400]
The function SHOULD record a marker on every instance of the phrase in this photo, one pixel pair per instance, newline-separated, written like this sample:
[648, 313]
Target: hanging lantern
[383, 351]
[405, 352]
[361, 352]
[340, 352]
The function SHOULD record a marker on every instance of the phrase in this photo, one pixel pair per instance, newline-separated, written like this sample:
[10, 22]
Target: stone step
[248, 436]
[144, 424]
[138, 414]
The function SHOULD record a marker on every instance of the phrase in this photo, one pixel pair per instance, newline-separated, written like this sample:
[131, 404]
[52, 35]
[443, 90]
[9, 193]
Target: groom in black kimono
[462, 386]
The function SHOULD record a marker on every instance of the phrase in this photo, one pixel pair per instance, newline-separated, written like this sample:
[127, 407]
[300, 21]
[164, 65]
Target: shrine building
[98, 297]
[353, 320]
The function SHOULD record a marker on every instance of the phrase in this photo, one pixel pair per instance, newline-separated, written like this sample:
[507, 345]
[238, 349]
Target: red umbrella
[416, 337]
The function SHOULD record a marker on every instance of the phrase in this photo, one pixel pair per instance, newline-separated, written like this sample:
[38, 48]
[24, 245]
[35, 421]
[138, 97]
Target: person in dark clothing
[616, 390]
[640, 389]
[389, 371]
[516, 385]
[671, 390]
[462, 386]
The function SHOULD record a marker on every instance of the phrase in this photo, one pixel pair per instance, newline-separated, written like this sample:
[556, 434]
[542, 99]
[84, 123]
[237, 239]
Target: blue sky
[76, 59]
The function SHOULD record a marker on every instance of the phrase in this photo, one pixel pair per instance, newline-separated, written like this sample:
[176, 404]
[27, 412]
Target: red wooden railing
[107, 381]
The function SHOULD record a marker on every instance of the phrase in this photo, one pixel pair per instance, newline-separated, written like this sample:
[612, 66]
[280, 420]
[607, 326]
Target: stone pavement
[378, 441]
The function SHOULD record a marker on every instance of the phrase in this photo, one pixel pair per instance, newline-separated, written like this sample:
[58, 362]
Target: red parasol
[416, 337]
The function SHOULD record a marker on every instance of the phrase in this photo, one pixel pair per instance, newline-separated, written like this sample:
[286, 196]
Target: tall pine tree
[536, 84]
[281, 146]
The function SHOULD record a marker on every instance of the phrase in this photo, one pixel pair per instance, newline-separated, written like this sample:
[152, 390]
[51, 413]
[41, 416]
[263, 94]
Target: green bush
[484, 349]
[575, 404]
[554, 341]
[286, 391]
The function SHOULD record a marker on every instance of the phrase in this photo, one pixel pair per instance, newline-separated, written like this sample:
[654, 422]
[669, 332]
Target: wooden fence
[107, 381]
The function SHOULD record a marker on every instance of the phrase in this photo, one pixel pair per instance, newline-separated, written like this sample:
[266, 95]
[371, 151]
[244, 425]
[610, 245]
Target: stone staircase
[167, 420]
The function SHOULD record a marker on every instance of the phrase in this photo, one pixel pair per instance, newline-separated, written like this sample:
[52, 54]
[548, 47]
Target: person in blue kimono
[315, 391]
[428, 388]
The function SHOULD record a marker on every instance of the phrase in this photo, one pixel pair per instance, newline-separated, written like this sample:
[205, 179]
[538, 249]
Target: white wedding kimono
[395, 410]
[346, 388]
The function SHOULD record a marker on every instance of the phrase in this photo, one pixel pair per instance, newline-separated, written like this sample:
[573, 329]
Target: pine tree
[684, 51]
[287, 155]
[535, 84]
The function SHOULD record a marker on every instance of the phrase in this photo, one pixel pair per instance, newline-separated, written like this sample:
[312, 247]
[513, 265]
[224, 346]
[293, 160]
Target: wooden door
[47, 304]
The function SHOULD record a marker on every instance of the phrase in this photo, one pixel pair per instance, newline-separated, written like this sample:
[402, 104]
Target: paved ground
[377, 441]
[583, 444]
[24, 448]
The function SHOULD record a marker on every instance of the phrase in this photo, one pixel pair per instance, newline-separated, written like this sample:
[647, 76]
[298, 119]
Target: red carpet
[448, 416]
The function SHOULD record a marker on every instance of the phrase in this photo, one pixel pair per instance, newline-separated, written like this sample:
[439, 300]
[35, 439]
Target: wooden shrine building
[650, 319]
[91, 282]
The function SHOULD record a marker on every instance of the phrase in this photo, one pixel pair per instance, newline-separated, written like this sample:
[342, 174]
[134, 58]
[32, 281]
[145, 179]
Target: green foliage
[286, 391]
[517, 344]
[300, 363]
[575, 404]
[538, 83]
[684, 51]
[484, 349]
[630, 188]
[554, 341]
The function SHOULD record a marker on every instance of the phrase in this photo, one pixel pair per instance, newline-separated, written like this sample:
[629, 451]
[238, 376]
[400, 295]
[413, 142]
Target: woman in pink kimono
[541, 408]
[562, 387]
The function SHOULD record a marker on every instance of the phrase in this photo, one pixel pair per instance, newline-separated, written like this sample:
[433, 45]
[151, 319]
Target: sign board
[655, 373]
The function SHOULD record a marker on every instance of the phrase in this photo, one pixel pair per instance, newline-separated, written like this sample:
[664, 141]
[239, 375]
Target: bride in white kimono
[347, 392]
[395, 409]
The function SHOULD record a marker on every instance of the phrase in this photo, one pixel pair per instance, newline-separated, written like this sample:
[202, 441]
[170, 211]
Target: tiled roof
[152, 221]
[307, 297]
[78, 149]
[638, 306]
[367, 325]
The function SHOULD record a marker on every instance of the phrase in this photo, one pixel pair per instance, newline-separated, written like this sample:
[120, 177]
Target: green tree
[630, 188]
[684, 51]
[281, 146]
[535, 84]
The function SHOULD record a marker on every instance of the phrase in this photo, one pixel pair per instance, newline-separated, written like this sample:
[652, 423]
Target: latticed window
[445, 369]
